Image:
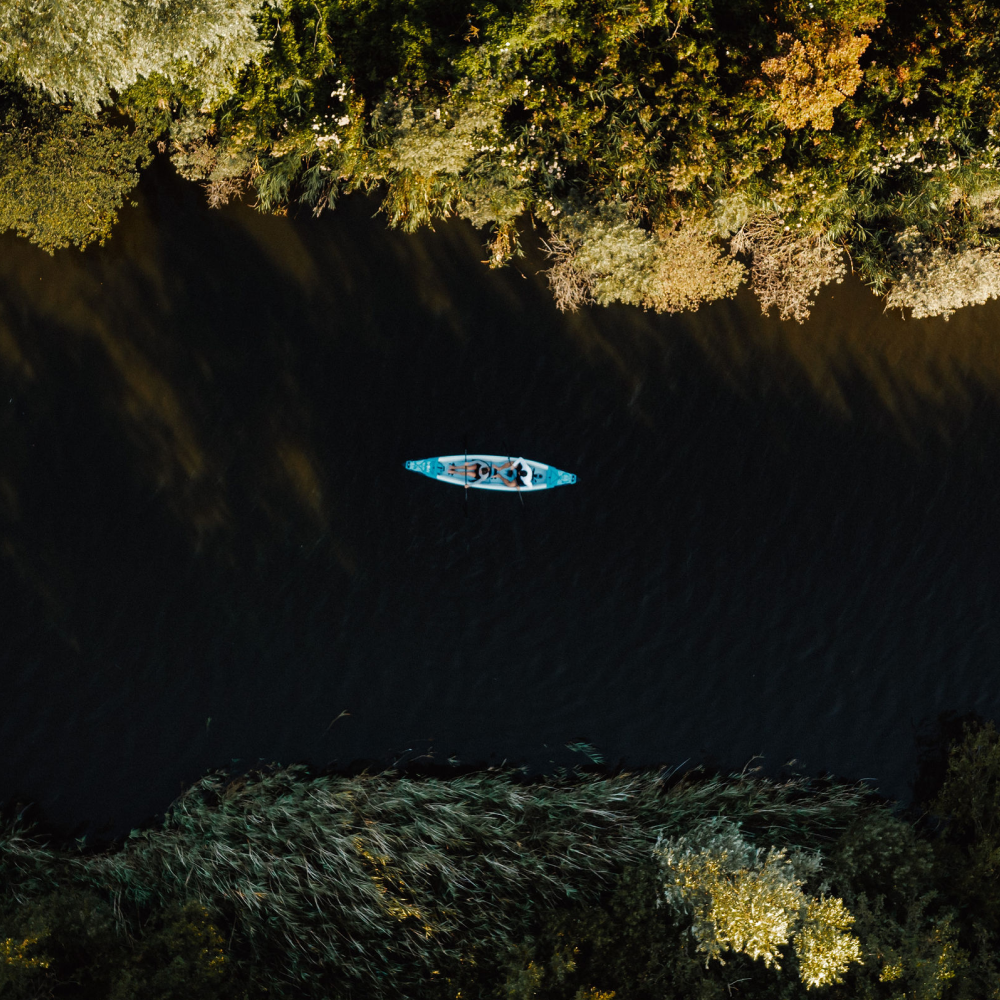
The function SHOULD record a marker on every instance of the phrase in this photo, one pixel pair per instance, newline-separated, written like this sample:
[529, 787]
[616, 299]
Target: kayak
[492, 472]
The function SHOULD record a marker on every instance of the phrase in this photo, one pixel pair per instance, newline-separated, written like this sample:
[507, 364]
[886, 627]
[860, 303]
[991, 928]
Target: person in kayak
[514, 473]
[471, 472]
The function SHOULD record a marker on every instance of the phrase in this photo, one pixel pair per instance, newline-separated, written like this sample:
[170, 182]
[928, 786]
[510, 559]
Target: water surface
[782, 541]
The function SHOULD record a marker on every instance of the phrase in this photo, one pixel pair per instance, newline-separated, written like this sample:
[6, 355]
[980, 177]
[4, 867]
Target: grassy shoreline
[285, 883]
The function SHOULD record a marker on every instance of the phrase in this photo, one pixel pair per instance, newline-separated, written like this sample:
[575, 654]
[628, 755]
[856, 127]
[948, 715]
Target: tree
[814, 76]
[750, 900]
[73, 937]
[788, 267]
[82, 50]
[65, 172]
[937, 280]
[603, 256]
[969, 803]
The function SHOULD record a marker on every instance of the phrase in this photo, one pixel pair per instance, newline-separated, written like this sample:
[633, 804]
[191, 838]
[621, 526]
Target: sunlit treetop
[833, 127]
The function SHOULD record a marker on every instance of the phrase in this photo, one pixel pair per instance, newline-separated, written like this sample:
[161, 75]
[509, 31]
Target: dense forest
[664, 150]
[585, 885]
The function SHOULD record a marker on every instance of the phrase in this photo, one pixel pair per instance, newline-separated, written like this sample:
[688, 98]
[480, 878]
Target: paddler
[471, 472]
[515, 473]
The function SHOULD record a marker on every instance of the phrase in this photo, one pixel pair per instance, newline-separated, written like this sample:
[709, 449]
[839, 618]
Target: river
[782, 542]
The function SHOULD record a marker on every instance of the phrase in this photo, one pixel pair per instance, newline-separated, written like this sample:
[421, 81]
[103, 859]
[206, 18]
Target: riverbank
[671, 150]
[580, 885]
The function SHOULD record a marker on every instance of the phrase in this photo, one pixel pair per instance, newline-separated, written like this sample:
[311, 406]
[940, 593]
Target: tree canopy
[65, 172]
[671, 148]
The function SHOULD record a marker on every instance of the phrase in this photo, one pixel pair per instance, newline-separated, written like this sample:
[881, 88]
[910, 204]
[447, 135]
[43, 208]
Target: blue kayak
[492, 472]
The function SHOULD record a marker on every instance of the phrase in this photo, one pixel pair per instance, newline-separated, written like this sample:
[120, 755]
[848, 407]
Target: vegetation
[578, 887]
[95, 161]
[86, 52]
[663, 145]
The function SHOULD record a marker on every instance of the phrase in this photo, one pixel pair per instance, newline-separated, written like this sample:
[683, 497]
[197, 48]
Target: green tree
[82, 50]
[65, 172]
[968, 848]
[72, 943]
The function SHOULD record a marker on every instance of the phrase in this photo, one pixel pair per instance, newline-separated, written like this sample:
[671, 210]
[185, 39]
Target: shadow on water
[782, 541]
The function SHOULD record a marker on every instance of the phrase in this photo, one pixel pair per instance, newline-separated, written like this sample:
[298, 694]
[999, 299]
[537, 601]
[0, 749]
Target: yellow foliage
[948, 957]
[523, 983]
[815, 76]
[751, 901]
[15, 954]
[390, 886]
[891, 971]
[503, 246]
[750, 910]
[604, 256]
[824, 947]
[199, 927]
[691, 269]
[935, 963]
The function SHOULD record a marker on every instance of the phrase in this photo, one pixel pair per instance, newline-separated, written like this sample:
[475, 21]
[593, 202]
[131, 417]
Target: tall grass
[373, 882]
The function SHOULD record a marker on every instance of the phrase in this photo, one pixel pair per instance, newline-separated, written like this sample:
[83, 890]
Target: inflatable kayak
[492, 472]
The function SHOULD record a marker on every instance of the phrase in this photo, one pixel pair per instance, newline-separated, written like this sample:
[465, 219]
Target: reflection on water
[147, 348]
[909, 376]
[780, 541]
[920, 372]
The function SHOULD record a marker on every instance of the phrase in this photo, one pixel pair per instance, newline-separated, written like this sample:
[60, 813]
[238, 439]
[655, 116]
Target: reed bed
[371, 883]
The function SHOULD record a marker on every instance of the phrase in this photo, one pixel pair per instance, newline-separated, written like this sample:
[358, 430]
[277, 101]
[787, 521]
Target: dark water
[783, 540]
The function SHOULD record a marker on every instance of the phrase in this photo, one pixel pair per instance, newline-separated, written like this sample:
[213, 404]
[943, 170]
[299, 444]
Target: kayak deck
[492, 472]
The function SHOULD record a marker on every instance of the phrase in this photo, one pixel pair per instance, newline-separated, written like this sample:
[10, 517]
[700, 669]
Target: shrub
[622, 945]
[691, 270]
[969, 803]
[65, 173]
[222, 167]
[787, 268]
[73, 939]
[750, 900]
[569, 285]
[936, 280]
[428, 145]
[890, 881]
[824, 946]
[814, 76]
[602, 256]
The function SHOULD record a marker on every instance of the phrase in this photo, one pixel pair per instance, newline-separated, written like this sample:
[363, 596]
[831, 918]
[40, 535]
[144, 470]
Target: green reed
[385, 878]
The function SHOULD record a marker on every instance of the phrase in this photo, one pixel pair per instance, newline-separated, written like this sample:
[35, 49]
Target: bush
[65, 173]
[937, 280]
[82, 51]
[601, 256]
[788, 268]
[71, 943]
[969, 848]
[750, 900]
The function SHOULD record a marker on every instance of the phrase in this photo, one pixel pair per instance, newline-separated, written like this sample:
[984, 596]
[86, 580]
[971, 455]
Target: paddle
[517, 481]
